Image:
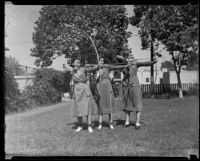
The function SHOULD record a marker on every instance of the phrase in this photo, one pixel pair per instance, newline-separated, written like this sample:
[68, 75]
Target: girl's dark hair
[75, 60]
[126, 73]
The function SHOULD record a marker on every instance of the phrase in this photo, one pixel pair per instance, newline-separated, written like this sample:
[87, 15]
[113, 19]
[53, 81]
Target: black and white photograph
[101, 80]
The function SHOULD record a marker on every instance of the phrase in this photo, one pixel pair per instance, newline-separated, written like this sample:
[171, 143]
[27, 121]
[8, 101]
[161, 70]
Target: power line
[25, 66]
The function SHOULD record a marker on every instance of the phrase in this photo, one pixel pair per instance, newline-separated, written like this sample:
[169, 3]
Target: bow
[94, 48]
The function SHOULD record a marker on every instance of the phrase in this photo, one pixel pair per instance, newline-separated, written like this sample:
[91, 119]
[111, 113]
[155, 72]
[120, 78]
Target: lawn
[169, 127]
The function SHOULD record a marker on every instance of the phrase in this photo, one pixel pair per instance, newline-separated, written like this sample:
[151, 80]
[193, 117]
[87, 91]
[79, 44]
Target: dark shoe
[127, 125]
[137, 127]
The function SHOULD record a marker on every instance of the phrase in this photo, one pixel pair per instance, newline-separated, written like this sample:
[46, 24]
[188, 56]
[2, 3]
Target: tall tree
[80, 31]
[181, 26]
[176, 27]
[146, 18]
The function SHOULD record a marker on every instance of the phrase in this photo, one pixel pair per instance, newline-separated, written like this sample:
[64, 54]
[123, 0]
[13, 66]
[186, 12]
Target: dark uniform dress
[83, 103]
[131, 91]
[105, 99]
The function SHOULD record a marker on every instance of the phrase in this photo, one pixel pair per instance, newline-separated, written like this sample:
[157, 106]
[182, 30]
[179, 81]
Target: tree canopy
[174, 26]
[67, 29]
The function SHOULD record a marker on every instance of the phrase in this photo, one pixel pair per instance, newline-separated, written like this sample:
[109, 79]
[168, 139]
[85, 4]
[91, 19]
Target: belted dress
[105, 99]
[83, 103]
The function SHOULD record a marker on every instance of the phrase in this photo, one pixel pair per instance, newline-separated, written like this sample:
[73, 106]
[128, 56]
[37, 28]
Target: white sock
[78, 129]
[137, 124]
[127, 123]
[111, 126]
[90, 129]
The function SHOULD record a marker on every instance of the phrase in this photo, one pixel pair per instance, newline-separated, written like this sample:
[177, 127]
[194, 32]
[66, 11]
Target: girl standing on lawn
[83, 103]
[131, 92]
[105, 94]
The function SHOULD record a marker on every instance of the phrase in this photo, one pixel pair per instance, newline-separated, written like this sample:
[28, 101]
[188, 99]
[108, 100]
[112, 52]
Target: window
[147, 80]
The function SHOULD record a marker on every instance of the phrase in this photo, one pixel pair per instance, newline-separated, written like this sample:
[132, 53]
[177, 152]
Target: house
[186, 77]
[165, 76]
[23, 81]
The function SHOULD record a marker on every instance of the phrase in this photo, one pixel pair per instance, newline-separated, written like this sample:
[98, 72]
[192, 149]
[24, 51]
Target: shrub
[48, 86]
[11, 91]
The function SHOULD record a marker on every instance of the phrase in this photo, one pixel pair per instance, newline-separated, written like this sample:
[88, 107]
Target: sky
[19, 26]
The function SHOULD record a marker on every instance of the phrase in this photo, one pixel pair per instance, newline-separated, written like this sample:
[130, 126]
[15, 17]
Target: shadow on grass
[120, 122]
[104, 124]
[75, 125]
[95, 124]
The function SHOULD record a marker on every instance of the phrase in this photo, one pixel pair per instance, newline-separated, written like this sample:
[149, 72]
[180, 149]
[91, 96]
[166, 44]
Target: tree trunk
[178, 71]
[179, 84]
[152, 71]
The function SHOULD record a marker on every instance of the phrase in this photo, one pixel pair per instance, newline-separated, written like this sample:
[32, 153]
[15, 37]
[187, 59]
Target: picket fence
[162, 88]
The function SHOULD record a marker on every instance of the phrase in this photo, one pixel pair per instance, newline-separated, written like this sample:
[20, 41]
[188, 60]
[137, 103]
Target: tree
[11, 90]
[168, 64]
[48, 86]
[176, 28]
[82, 31]
[147, 19]
[181, 24]
[13, 64]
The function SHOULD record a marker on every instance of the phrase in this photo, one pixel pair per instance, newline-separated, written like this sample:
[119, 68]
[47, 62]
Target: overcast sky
[19, 26]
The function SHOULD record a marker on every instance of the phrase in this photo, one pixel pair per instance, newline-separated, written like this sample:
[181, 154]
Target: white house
[21, 80]
[144, 76]
[186, 76]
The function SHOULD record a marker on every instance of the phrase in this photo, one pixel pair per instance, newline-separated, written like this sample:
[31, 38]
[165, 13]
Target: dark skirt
[131, 97]
[83, 103]
[105, 99]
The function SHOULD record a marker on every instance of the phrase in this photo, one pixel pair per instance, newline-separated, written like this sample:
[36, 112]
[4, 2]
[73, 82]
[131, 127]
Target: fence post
[26, 78]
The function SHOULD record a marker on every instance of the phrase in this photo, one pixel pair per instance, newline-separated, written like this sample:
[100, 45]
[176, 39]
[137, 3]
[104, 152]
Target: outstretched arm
[104, 66]
[118, 67]
[147, 63]
[91, 69]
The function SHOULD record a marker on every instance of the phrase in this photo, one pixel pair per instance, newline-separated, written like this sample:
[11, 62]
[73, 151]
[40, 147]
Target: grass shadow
[75, 125]
[96, 124]
[120, 122]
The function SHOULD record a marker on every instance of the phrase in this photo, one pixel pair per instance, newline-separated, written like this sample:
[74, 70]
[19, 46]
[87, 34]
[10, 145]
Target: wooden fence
[161, 88]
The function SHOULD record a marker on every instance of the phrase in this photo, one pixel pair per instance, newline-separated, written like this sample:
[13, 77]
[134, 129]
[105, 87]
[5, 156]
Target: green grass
[169, 127]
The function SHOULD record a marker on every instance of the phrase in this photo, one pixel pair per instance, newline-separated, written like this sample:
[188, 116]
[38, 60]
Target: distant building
[165, 76]
[186, 77]
[21, 80]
